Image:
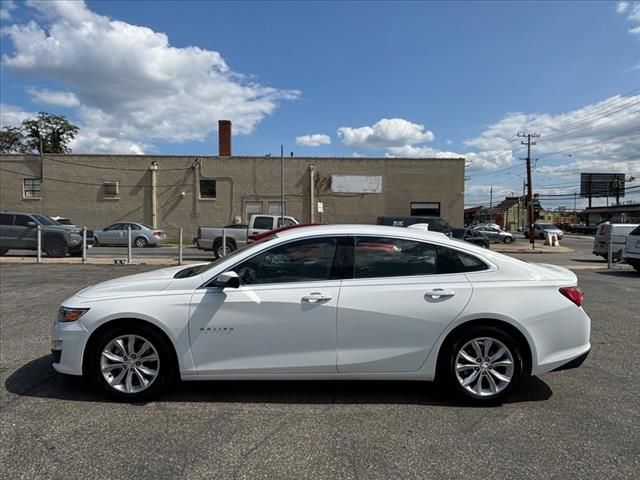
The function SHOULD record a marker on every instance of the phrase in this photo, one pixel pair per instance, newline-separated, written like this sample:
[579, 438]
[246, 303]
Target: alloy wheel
[141, 242]
[129, 363]
[484, 366]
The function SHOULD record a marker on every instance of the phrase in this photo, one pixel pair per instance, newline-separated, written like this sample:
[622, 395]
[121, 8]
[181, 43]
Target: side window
[133, 226]
[303, 261]
[263, 223]
[6, 219]
[287, 222]
[391, 257]
[115, 226]
[455, 261]
[21, 220]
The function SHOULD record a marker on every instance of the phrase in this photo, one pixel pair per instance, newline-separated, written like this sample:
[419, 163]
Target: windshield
[547, 226]
[45, 220]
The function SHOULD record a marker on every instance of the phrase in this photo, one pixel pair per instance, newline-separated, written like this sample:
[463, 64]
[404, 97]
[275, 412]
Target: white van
[619, 234]
[631, 251]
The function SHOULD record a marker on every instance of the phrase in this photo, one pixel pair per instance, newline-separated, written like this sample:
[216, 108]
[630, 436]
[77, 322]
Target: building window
[275, 208]
[111, 189]
[425, 209]
[207, 189]
[32, 188]
[252, 208]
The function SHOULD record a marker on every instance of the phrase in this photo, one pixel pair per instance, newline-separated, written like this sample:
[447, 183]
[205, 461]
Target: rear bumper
[575, 363]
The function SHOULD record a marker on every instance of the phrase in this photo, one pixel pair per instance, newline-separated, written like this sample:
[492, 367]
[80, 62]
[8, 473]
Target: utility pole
[491, 205]
[530, 219]
[282, 184]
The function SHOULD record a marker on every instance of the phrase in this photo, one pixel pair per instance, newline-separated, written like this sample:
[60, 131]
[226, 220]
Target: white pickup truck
[210, 238]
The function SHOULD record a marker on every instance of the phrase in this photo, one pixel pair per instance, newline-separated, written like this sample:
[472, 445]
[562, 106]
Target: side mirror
[227, 280]
[31, 224]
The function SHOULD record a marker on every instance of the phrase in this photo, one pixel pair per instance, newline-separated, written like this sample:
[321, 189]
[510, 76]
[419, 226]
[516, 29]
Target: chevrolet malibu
[350, 302]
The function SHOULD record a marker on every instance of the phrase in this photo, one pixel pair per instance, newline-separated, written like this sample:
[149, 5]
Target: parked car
[210, 238]
[349, 302]
[118, 233]
[63, 221]
[20, 231]
[436, 224]
[619, 232]
[263, 235]
[495, 234]
[539, 230]
[471, 236]
[631, 250]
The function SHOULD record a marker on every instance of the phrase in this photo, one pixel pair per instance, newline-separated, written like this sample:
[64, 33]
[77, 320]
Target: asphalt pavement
[579, 423]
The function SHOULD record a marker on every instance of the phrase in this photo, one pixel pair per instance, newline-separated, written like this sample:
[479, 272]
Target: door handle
[316, 297]
[439, 292]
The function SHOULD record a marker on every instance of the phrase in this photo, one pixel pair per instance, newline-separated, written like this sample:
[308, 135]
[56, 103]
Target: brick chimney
[224, 138]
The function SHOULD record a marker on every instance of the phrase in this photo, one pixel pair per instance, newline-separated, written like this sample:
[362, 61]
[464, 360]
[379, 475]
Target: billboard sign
[594, 185]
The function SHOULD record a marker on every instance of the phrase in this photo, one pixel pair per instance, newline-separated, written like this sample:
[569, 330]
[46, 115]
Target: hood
[155, 280]
[65, 228]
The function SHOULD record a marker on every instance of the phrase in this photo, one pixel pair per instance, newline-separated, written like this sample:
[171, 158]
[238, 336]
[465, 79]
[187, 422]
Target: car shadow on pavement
[619, 273]
[38, 379]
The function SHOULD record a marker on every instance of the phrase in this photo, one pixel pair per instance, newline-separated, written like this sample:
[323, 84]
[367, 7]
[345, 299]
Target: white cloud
[314, 140]
[621, 7]
[12, 116]
[6, 6]
[61, 99]
[131, 80]
[632, 11]
[388, 132]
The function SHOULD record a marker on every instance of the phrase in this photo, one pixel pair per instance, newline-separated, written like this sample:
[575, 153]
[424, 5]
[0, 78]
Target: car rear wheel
[55, 247]
[218, 251]
[508, 240]
[132, 363]
[141, 242]
[484, 365]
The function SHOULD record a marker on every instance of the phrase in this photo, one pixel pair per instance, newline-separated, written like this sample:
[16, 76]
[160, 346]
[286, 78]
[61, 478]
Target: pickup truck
[210, 238]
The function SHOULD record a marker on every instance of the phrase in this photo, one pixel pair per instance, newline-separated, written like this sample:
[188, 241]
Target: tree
[12, 140]
[54, 131]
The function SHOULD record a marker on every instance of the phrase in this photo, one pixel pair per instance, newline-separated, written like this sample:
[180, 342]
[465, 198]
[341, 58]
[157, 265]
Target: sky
[348, 79]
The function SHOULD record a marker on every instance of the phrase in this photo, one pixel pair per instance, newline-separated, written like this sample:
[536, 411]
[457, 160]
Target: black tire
[166, 365]
[526, 235]
[508, 240]
[75, 253]
[96, 243]
[55, 247]
[141, 242]
[217, 247]
[637, 267]
[454, 380]
[3, 251]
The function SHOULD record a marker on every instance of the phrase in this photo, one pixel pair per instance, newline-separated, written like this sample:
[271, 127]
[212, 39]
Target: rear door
[400, 297]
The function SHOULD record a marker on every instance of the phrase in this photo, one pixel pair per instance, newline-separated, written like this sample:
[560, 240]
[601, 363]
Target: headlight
[75, 236]
[70, 314]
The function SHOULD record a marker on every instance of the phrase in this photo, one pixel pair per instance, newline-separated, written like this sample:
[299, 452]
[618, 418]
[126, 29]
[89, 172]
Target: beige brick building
[187, 191]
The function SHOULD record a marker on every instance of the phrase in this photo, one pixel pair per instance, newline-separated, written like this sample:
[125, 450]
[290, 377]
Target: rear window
[635, 231]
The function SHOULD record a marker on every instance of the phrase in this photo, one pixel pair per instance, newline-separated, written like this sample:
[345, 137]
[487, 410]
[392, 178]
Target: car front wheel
[132, 363]
[508, 239]
[484, 365]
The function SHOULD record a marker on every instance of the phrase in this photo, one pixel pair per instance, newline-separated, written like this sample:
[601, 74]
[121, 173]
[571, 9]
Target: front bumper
[68, 340]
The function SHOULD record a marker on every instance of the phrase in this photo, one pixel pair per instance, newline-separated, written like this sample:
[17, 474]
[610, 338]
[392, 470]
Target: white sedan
[352, 302]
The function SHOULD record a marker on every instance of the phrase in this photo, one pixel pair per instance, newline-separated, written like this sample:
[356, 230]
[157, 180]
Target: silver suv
[18, 231]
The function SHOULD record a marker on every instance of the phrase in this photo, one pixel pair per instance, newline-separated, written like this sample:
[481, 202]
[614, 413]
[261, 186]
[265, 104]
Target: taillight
[157, 234]
[575, 294]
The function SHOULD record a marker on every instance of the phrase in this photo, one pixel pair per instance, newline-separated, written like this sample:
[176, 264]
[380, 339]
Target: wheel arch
[122, 322]
[507, 327]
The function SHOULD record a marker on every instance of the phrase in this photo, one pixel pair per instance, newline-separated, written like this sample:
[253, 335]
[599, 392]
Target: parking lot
[580, 423]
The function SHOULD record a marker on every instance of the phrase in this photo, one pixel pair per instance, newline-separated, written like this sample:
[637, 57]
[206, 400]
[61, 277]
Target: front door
[282, 318]
[402, 295]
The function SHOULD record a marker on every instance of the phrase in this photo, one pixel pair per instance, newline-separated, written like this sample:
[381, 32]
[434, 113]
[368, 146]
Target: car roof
[358, 229]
